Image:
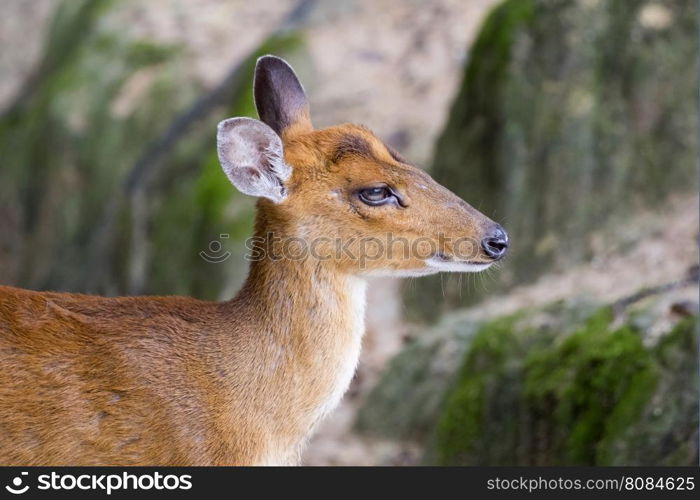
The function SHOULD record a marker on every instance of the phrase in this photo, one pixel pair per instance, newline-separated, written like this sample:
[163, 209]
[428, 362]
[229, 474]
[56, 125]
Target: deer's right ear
[252, 157]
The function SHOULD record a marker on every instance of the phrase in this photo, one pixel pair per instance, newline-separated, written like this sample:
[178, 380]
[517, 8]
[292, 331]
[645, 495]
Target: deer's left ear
[280, 98]
[252, 157]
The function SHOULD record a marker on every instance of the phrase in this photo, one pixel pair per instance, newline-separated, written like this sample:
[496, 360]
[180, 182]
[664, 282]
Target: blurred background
[571, 122]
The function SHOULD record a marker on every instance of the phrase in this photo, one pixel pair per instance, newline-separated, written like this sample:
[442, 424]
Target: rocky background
[572, 122]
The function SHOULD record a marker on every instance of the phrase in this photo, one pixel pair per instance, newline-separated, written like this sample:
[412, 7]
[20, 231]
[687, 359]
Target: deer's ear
[279, 97]
[252, 157]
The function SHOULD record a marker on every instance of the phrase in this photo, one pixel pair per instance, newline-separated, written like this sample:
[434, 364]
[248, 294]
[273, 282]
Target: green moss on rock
[666, 429]
[406, 403]
[595, 378]
[463, 423]
[596, 396]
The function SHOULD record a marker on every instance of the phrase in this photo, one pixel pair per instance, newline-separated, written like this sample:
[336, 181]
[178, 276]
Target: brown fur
[177, 381]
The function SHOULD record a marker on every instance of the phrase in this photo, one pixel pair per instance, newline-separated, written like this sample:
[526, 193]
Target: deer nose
[495, 243]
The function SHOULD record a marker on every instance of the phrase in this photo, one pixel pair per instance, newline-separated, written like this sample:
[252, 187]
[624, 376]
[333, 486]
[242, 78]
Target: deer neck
[310, 322]
[305, 300]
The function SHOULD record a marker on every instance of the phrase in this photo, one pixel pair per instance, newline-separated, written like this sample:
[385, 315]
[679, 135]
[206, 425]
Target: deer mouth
[443, 263]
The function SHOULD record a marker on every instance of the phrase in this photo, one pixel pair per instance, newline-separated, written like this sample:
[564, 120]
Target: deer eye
[376, 195]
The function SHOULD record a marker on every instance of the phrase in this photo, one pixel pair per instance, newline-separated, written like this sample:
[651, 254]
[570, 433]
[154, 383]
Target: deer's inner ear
[252, 157]
[280, 98]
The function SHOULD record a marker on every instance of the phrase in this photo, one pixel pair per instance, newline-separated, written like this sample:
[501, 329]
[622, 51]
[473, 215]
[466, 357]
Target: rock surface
[572, 114]
[573, 382]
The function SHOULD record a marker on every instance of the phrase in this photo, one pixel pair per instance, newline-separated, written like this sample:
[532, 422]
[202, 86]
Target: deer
[169, 380]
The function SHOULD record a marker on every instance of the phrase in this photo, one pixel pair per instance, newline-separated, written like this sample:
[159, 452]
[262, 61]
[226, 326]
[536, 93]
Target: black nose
[495, 243]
